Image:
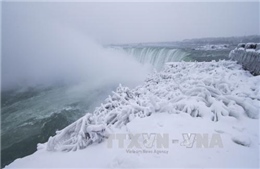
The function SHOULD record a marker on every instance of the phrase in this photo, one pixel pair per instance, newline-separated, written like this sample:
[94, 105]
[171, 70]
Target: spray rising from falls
[156, 56]
[53, 78]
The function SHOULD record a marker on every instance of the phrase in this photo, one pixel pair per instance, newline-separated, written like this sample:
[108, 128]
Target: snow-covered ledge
[248, 55]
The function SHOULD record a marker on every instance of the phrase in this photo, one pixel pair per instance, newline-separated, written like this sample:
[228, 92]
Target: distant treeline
[221, 40]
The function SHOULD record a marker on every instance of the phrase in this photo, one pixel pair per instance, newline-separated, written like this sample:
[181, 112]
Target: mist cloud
[47, 53]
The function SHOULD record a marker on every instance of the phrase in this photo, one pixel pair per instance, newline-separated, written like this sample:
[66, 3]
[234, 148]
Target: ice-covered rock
[248, 57]
[212, 91]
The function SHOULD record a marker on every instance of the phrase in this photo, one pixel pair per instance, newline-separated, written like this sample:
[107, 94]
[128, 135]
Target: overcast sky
[134, 22]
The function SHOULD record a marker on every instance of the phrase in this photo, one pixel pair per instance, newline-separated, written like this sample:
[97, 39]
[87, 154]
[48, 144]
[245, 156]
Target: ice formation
[209, 90]
[248, 55]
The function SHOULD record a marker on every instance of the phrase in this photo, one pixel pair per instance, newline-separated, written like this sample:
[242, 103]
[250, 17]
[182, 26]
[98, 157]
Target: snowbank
[249, 56]
[215, 100]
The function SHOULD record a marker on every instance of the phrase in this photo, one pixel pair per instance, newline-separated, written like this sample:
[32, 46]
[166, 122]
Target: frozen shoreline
[205, 98]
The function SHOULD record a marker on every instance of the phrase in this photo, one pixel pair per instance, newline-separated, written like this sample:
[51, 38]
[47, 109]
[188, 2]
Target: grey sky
[136, 22]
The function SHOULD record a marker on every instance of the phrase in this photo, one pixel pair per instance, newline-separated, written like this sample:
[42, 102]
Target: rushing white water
[156, 56]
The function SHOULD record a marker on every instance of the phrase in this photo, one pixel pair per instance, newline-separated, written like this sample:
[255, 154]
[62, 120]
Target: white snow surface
[213, 99]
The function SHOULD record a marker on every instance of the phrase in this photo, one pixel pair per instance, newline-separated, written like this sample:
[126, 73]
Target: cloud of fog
[47, 42]
[47, 54]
